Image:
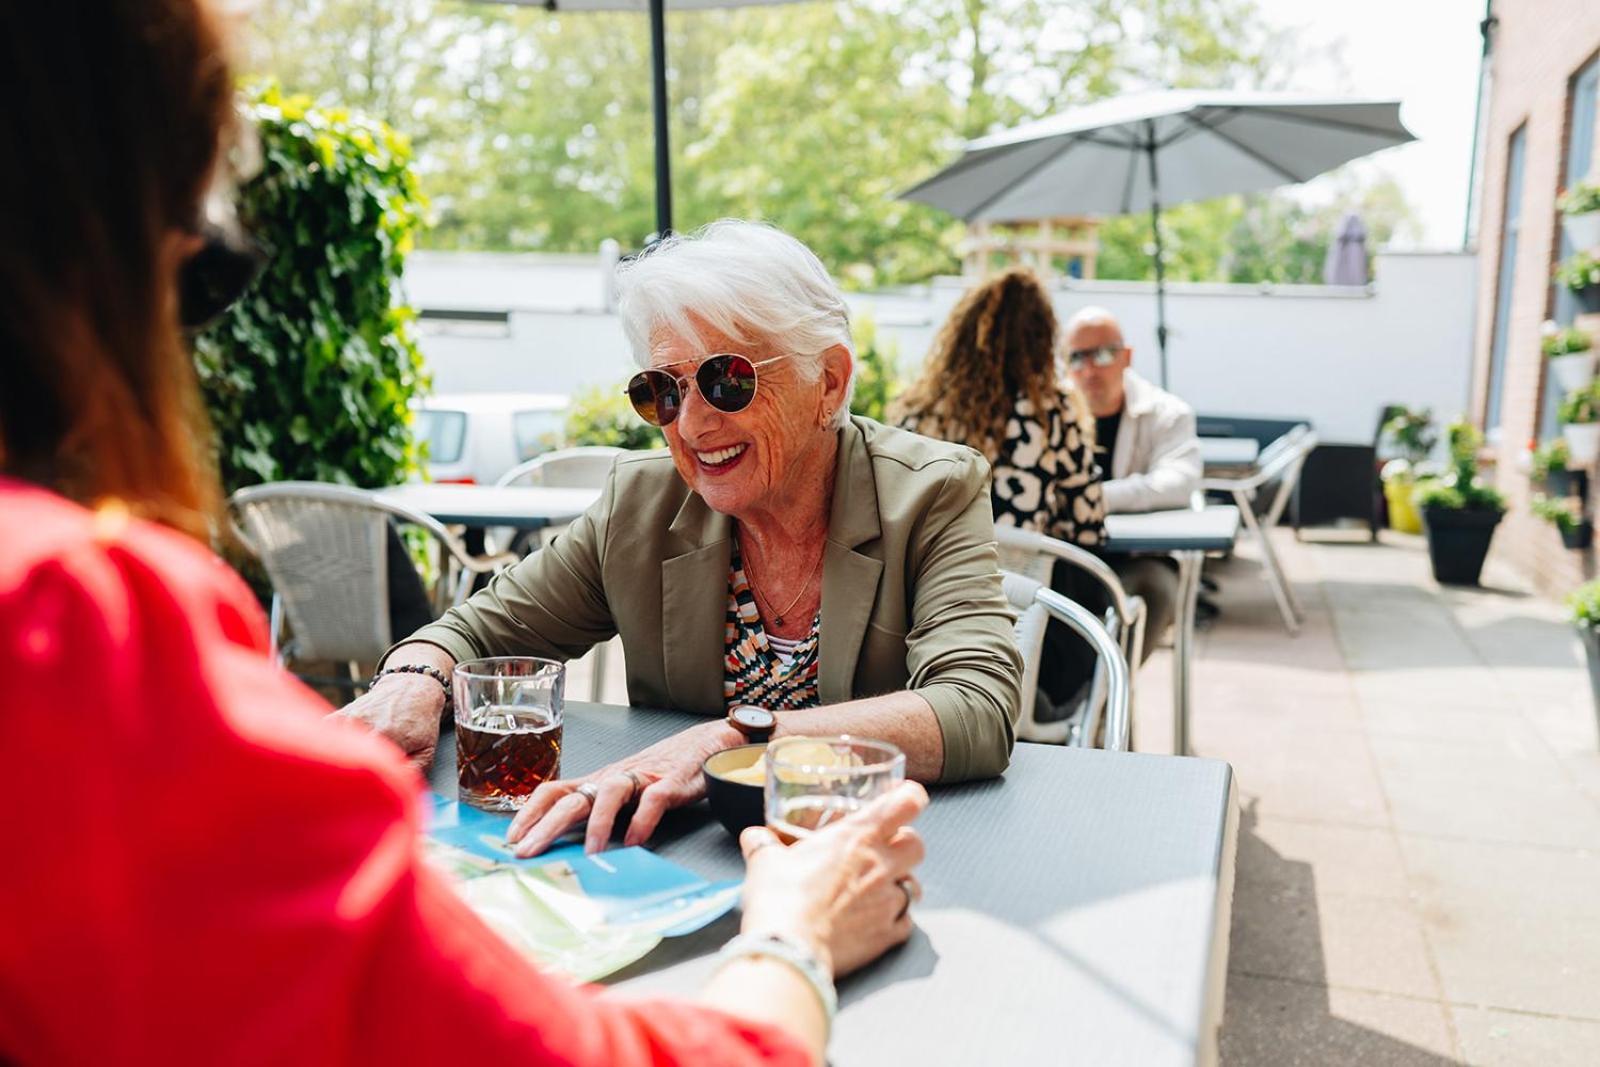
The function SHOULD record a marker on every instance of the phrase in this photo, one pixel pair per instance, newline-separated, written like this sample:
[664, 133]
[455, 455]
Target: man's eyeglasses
[726, 380]
[1098, 357]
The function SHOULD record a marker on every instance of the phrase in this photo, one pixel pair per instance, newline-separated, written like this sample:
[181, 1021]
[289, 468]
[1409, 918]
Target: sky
[1421, 52]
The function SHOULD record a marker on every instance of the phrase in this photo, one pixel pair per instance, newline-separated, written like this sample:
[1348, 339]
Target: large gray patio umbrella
[658, 71]
[1136, 152]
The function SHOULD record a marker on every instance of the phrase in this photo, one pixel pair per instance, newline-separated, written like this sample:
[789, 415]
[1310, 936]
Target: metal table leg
[1276, 579]
[1189, 564]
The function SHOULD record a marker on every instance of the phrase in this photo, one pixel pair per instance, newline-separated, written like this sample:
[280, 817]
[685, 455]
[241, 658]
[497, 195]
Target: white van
[474, 438]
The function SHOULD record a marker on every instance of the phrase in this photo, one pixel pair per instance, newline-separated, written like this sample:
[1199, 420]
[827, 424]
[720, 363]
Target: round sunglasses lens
[654, 396]
[727, 382]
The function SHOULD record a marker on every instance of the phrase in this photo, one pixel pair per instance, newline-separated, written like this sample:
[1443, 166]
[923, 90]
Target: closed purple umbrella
[1347, 253]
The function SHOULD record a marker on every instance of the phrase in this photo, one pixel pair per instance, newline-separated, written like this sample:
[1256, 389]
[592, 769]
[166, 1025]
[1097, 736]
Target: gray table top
[1212, 529]
[521, 506]
[1076, 909]
[1229, 451]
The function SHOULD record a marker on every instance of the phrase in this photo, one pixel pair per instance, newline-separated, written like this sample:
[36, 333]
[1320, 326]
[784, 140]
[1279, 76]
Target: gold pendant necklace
[777, 618]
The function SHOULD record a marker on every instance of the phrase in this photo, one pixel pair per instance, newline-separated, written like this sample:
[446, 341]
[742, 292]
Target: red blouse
[199, 867]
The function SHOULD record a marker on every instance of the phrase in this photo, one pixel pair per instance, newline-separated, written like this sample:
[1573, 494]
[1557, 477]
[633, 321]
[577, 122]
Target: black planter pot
[1458, 541]
[1580, 536]
[1588, 299]
[1568, 483]
[1590, 637]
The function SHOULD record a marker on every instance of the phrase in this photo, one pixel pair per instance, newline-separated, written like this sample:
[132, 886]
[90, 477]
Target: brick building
[1538, 135]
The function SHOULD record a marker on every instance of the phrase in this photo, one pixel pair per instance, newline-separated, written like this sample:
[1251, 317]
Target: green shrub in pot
[1459, 512]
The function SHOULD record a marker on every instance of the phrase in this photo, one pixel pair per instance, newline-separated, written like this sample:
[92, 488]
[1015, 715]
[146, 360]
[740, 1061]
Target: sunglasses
[727, 382]
[1099, 357]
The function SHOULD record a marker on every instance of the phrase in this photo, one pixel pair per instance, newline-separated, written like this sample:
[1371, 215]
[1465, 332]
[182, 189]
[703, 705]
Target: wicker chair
[1036, 604]
[325, 548]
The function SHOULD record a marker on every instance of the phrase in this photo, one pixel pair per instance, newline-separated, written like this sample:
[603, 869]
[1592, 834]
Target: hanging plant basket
[1583, 443]
[1579, 536]
[1582, 230]
[1573, 370]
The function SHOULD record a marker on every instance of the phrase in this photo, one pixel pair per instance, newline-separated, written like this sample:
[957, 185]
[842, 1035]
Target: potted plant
[1585, 604]
[1576, 531]
[1459, 513]
[1409, 436]
[1580, 272]
[1550, 470]
[1569, 353]
[1579, 414]
[1580, 209]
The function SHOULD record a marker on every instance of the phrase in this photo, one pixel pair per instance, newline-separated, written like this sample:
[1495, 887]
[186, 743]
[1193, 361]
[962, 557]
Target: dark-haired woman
[201, 866]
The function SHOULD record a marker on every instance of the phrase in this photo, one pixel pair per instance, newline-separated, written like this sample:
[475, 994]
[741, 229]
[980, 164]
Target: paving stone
[1490, 1038]
[1273, 1023]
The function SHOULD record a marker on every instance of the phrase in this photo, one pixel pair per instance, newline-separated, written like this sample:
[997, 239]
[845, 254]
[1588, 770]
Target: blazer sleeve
[960, 653]
[1174, 469]
[551, 604]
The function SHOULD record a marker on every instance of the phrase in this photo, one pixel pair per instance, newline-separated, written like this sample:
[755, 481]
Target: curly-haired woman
[990, 382]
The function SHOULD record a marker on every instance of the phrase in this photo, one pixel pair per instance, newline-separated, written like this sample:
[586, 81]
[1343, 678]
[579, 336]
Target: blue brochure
[584, 915]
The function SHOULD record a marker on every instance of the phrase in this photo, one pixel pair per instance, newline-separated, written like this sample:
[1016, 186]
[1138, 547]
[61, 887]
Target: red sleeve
[201, 865]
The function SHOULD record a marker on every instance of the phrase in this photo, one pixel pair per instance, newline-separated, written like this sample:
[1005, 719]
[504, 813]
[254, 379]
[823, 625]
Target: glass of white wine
[814, 781]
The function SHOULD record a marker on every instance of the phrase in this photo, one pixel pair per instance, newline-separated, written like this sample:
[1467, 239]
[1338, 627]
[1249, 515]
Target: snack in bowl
[736, 779]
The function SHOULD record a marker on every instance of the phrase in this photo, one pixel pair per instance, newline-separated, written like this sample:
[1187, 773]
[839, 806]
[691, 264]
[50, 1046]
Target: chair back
[1036, 605]
[586, 467]
[325, 547]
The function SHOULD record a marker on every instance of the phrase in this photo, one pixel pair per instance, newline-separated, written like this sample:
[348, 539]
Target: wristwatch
[756, 724]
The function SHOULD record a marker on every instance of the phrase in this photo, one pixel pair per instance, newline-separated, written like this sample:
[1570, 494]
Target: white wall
[1335, 356]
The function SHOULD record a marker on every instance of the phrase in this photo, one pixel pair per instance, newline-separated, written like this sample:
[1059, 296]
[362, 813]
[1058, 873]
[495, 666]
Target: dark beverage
[506, 754]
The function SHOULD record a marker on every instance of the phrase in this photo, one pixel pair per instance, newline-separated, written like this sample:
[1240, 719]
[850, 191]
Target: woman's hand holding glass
[664, 776]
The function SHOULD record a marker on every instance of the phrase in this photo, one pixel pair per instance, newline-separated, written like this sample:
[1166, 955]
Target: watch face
[752, 718]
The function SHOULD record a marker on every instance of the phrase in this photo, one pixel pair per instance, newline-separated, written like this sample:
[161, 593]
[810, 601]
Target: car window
[444, 432]
[536, 432]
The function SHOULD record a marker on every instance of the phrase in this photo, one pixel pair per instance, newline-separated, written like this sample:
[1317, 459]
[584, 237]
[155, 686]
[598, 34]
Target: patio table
[1228, 453]
[1186, 534]
[1076, 910]
[523, 507]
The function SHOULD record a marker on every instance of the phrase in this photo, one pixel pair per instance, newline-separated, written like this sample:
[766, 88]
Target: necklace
[777, 616]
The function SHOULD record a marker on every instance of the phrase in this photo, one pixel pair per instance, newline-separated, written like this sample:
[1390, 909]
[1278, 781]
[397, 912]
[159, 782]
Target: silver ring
[638, 786]
[905, 887]
[590, 790]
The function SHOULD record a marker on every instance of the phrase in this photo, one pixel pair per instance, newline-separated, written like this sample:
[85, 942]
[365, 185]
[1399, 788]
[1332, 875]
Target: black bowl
[735, 804]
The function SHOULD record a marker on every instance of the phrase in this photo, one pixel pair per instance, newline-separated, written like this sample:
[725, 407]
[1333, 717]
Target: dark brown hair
[113, 113]
[998, 344]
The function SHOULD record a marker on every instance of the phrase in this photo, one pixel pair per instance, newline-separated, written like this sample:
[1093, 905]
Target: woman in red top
[201, 867]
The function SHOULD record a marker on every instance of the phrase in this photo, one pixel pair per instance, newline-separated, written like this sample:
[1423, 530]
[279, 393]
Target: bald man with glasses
[1148, 450]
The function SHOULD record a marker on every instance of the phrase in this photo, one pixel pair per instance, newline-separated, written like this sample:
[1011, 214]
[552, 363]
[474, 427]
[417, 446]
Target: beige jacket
[1156, 464]
[911, 595]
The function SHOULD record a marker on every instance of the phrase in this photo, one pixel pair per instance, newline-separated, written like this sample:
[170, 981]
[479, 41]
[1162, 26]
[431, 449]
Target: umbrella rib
[1024, 176]
[1270, 164]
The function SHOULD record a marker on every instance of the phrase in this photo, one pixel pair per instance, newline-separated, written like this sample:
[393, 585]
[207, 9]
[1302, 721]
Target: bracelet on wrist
[423, 669]
[796, 955]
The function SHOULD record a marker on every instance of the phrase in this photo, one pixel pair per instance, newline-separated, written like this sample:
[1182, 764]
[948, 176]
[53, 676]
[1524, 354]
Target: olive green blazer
[911, 595]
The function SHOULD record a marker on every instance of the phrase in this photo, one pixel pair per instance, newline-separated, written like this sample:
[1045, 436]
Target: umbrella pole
[1161, 266]
[658, 96]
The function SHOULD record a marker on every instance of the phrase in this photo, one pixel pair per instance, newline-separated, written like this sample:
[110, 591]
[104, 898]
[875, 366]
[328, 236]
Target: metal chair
[1036, 604]
[1278, 468]
[1033, 555]
[585, 467]
[325, 548]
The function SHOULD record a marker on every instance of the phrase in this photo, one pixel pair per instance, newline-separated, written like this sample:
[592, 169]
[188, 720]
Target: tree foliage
[533, 128]
[310, 375]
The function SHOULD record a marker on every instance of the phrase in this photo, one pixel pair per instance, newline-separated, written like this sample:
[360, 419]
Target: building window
[1507, 276]
[1582, 97]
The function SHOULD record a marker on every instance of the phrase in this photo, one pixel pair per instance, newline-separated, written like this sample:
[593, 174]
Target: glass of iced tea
[508, 728]
[813, 781]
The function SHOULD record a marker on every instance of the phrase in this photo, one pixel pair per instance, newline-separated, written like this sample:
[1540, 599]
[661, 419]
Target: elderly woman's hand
[665, 775]
[847, 890]
[405, 708]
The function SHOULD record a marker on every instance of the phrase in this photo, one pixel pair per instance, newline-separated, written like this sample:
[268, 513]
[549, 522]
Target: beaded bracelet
[420, 668]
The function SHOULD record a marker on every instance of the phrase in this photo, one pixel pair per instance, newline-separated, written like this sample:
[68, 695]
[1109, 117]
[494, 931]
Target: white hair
[1092, 316]
[747, 280]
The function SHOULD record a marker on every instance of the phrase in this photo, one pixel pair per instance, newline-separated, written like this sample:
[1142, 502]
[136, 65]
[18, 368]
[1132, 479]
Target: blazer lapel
[694, 592]
[849, 578]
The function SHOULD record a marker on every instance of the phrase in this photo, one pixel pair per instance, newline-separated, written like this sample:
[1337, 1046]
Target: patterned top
[1045, 476]
[752, 671]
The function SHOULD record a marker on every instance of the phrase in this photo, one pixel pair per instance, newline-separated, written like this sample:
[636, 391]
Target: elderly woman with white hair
[784, 568]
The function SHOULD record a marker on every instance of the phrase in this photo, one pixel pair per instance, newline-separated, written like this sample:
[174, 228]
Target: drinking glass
[508, 728]
[814, 781]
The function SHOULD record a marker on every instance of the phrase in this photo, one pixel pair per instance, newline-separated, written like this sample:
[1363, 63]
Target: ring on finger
[638, 786]
[908, 887]
[589, 790]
